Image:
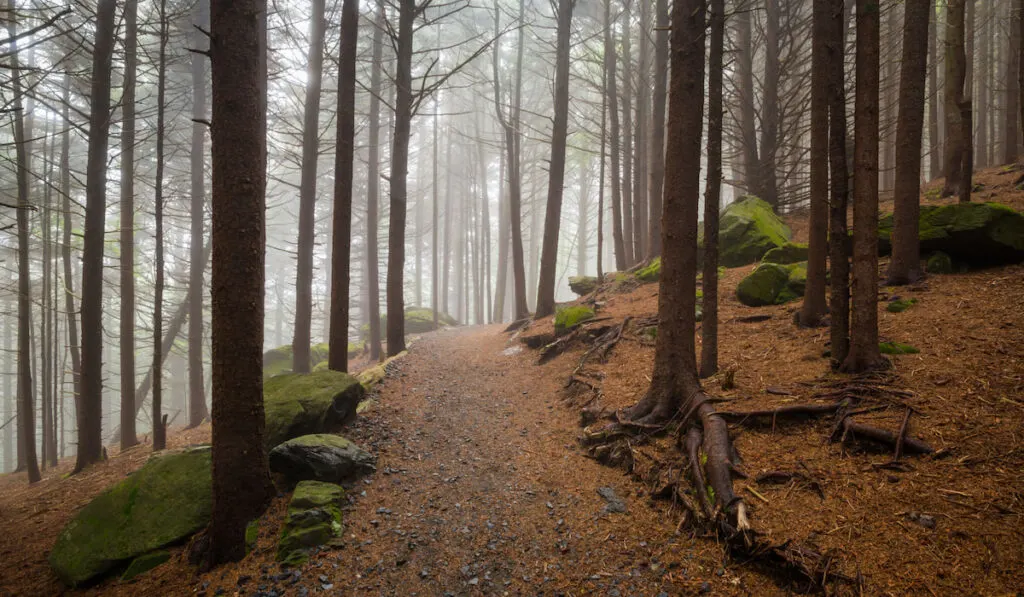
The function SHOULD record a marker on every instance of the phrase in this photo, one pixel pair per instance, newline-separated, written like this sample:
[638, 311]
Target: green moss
[145, 563]
[900, 305]
[252, 533]
[314, 519]
[299, 404]
[583, 285]
[974, 233]
[650, 273]
[749, 229]
[773, 284]
[939, 263]
[896, 348]
[279, 360]
[569, 317]
[166, 500]
[786, 254]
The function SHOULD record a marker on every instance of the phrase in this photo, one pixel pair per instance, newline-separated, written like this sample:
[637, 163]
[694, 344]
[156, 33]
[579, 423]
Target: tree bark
[767, 184]
[982, 109]
[127, 339]
[934, 142]
[864, 354]
[612, 96]
[556, 173]
[656, 148]
[90, 441]
[197, 411]
[956, 72]
[839, 255]
[69, 279]
[628, 231]
[1011, 132]
[241, 476]
[745, 69]
[159, 430]
[713, 192]
[905, 265]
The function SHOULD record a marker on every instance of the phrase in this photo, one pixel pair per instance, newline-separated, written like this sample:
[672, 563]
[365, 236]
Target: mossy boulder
[279, 360]
[772, 284]
[321, 457]
[749, 229]
[418, 320]
[977, 234]
[786, 254]
[651, 272]
[165, 501]
[300, 404]
[939, 263]
[314, 519]
[145, 563]
[583, 285]
[571, 316]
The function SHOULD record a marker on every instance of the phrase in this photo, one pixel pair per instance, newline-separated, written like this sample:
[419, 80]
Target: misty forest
[511, 297]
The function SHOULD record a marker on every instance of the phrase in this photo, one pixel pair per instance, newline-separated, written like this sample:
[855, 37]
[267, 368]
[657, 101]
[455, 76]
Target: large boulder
[571, 316]
[650, 272]
[786, 254]
[418, 320]
[299, 404]
[279, 360]
[976, 234]
[321, 457]
[314, 519]
[772, 284]
[749, 229]
[165, 501]
[583, 285]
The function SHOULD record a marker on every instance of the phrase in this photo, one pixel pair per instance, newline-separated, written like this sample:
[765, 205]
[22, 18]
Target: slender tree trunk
[839, 255]
[504, 235]
[127, 339]
[582, 209]
[90, 441]
[556, 180]
[601, 177]
[307, 191]
[484, 242]
[627, 135]
[373, 186]
[241, 476]
[713, 192]
[889, 95]
[956, 72]
[656, 148]
[159, 427]
[934, 142]
[47, 342]
[612, 97]
[745, 68]
[814, 307]
[1011, 107]
[984, 65]
[10, 401]
[69, 279]
[905, 265]
[767, 187]
[197, 411]
[864, 354]
[640, 135]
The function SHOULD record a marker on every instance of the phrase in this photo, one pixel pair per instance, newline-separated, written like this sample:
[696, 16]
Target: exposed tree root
[858, 431]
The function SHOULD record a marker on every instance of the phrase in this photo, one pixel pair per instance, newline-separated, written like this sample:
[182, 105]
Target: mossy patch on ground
[896, 348]
[300, 404]
[900, 305]
[569, 317]
[166, 500]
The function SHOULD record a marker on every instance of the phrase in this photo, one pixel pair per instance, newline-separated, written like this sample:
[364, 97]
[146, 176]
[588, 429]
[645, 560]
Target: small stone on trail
[705, 587]
[615, 503]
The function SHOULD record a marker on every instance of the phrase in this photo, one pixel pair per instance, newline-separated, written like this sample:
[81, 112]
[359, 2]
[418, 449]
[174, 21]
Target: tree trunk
[600, 176]
[864, 354]
[399, 174]
[556, 174]
[241, 476]
[197, 411]
[69, 279]
[159, 429]
[627, 135]
[127, 294]
[839, 255]
[982, 109]
[767, 184]
[905, 265]
[10, 402]
[745, 68]
[338, 358]
[956, 72]
[814, 307]
[713, 192]
[612, 96]
[656, 148]
[302, 337]
[640, 134]
[1011, 107]
[934, 142]
[90, 442]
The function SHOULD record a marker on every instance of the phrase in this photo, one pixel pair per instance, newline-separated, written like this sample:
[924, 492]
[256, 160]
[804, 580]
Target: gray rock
[321, 457]
[615, 503]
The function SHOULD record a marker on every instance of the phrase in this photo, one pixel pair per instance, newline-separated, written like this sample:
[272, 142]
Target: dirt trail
[481, 490]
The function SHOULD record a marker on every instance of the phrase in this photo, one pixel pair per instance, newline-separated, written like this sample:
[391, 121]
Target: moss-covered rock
[165, 501]
[145, 563]
[786, 254]
[279, 360]
[896, 348]
[314, 519]
[570, 316]
[651, 272]
[583, 285]
[772, 284]
[749, 229]
[977, 234]
[900, 305]
[939, 263]
[418, 320]
[321, 457]
[300, 404]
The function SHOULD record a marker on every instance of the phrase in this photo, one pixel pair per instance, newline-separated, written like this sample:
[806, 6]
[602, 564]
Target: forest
[511, 297]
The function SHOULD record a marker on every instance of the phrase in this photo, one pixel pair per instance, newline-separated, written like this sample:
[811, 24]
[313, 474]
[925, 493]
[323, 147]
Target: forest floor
[483, 489]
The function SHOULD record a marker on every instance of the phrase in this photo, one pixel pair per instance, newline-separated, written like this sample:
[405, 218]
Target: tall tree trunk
[241, 476]
[814, 307]
[768, 186]
[69, 279]
[656, 147]
[745, 69]
[373, 186]
[556, 179]
[10, 401]
[127, 295]
[1011, 132]
[600, 177]
[612, 97]
[713, 192]
[399, 178]
[982, 109]
[956, 72]
[47, 454]
[640, 134]
[302, 337]
[197, 410]
[159, 428]
[582, 209]
[905, 265]
[934, 142]
[627, 135]
[90, 442]
[26, 399]
[839, 254]
[889, 96]
[864, 354]
[504, 236]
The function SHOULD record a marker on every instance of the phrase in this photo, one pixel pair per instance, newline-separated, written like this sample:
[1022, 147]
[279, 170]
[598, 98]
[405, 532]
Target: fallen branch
[860, 431]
